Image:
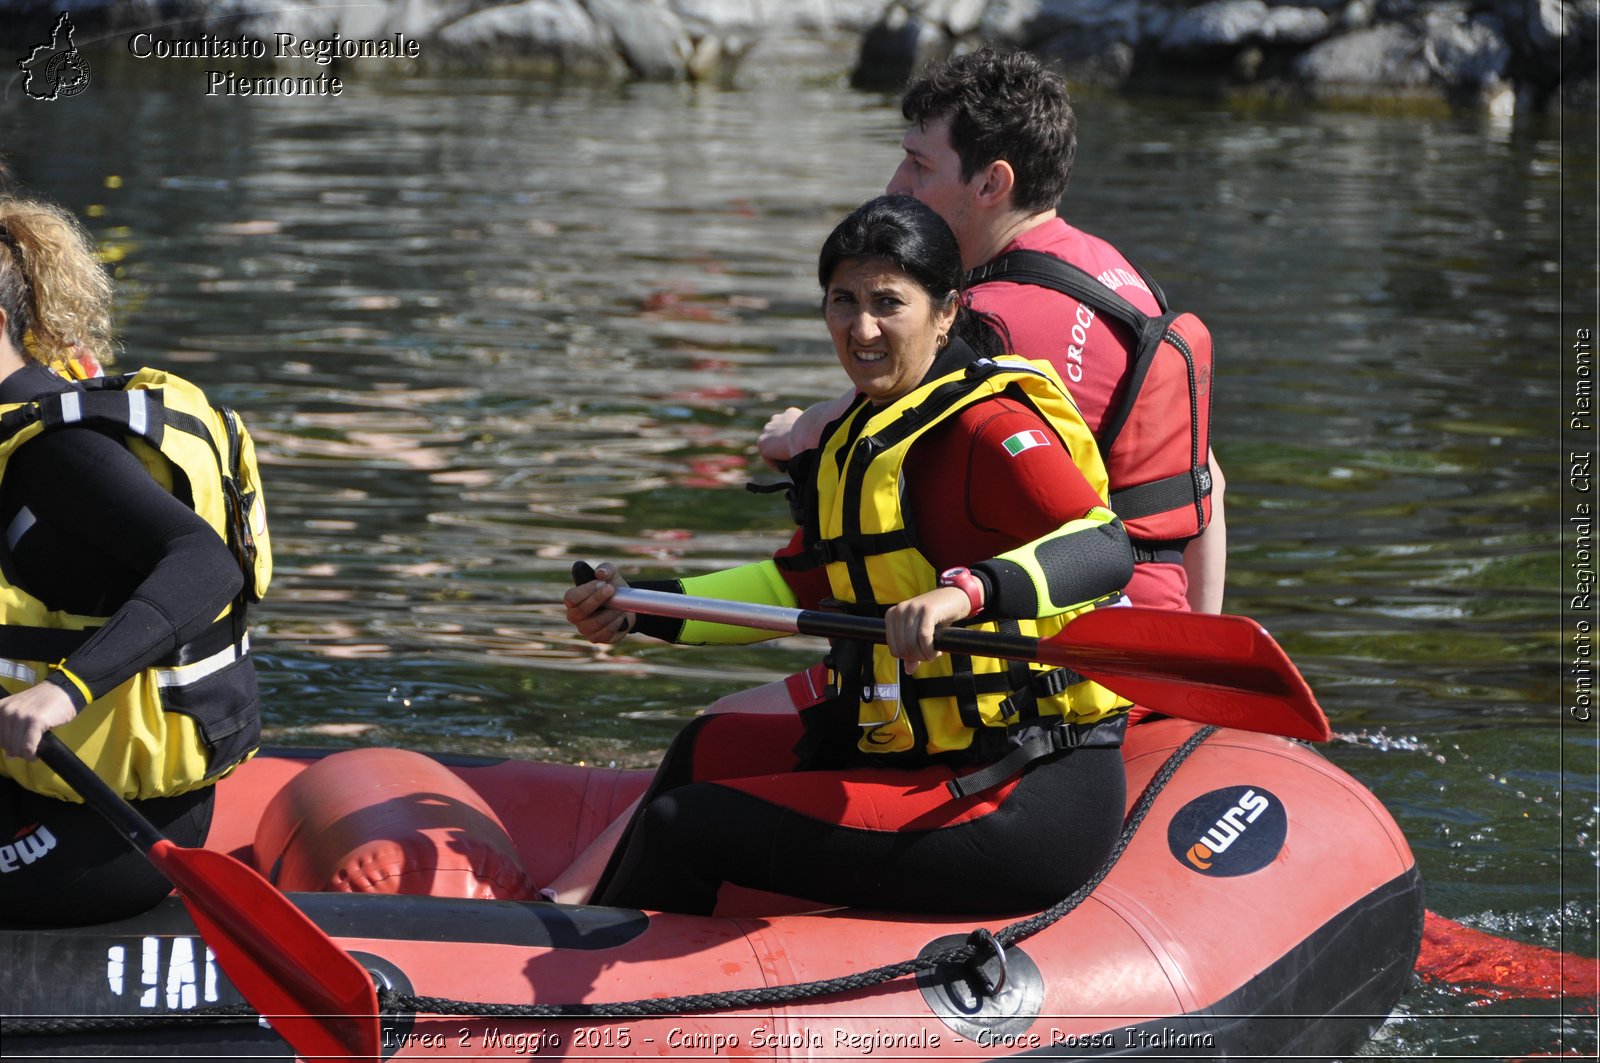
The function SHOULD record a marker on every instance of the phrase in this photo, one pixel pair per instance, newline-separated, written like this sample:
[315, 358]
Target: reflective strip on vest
[18, 671]
[189, 674]
[20, 524]
[138, 411]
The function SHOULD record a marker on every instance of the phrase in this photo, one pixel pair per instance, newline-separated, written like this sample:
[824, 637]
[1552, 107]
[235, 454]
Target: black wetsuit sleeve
[93, 495]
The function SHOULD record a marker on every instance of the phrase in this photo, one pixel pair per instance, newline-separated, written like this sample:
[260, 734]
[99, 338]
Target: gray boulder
[1295, 25]
[1093, 42]
[1465, 53]
[1549, 23]
[1218, 25]
[901, 42]
[1025, 23]
[1366, 62]
[558, 32]
[647, 34]
[1089, 57]
[1229, 25]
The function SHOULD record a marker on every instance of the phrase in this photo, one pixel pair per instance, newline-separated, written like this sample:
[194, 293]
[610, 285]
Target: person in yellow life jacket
[121, 604]
[960, 486]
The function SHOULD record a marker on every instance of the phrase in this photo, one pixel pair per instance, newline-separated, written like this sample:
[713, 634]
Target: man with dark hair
[990, 147]
[997, 105]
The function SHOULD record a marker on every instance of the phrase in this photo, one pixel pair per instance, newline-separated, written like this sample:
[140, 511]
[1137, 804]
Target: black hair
[907, 232]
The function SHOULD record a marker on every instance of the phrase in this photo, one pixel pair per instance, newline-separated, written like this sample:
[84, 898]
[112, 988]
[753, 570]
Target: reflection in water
[482, 329]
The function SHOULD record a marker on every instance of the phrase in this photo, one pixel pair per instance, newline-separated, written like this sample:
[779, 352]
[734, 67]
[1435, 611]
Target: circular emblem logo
[1228, 832]
[67, 75]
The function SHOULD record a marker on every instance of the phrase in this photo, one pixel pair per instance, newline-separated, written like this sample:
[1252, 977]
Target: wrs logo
[31, 845]
[57, 69]
[1229, 832]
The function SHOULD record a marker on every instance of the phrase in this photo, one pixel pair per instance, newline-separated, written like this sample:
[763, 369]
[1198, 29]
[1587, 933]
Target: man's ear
[995, 183]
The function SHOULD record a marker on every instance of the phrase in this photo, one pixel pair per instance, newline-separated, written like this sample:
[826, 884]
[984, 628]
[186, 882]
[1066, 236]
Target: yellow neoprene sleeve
[759, 583]
[1078, 563]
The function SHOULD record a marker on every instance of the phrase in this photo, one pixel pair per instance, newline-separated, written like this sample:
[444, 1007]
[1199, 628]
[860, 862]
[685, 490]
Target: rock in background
[1500, 55]
[656, 40]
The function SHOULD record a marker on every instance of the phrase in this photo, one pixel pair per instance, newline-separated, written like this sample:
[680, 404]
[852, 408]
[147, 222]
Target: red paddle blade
[1222, 670]
[317, 997]
[1498, 968]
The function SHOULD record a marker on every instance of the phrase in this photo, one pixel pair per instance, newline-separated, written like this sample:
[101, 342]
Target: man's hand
[774, 443]
[589, 613]
[794, 430]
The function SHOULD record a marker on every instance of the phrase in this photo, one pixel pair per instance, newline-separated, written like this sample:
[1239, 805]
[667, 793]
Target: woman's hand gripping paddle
[1223, 670]
[317, 997]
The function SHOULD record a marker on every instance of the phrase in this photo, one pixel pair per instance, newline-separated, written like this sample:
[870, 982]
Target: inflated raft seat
[387, 821]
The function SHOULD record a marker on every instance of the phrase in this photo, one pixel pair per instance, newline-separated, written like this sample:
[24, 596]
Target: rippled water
[482, 328]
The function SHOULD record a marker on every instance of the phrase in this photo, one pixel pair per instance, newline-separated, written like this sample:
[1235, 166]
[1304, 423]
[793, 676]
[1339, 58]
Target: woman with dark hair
[958, 487]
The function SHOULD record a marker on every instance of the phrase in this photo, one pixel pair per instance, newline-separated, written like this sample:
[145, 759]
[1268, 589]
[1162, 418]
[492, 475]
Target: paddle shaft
[825, 625]
[1223, 670]
[97, 794]
[1169, 662]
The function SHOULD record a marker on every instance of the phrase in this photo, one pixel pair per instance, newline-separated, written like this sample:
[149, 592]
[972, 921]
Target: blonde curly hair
[55, 294]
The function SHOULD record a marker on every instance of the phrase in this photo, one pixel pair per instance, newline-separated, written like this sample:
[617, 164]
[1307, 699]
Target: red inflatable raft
[1264, 905]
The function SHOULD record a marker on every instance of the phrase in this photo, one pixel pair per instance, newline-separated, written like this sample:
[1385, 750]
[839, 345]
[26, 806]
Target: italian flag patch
[1025, 441]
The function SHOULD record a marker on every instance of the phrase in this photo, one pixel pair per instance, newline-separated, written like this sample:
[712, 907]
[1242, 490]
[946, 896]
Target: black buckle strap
[1171, 492]
[1025, 753]
[219, 636]
[1106, 733]
[960, 685]
[54, 644]
[968, 686]
[17, 419]
[769, 489]
[849, 549]
[1041, 685]
[803, 562]
[41, 643]
[831, 551]
[1157, 553]
[1049, 684]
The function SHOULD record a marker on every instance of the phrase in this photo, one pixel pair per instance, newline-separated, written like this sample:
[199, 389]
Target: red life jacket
[1156, 440]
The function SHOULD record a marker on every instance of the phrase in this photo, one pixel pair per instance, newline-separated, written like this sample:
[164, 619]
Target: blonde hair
[56, 295]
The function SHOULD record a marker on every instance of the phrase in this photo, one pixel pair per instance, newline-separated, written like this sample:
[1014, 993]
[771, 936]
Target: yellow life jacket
[188, 720]
[857, 527]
